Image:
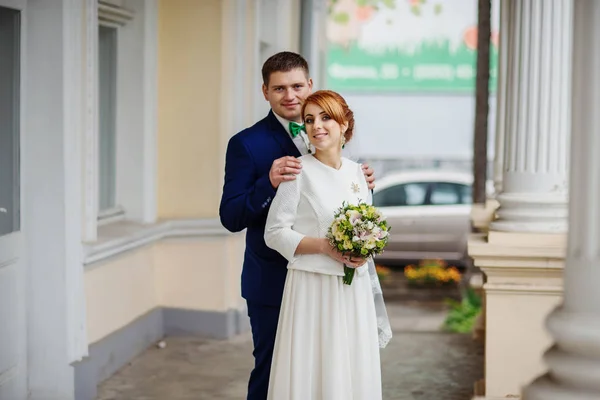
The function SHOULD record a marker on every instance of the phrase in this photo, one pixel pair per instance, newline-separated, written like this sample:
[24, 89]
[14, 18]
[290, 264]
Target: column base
[524, 284]
[527, 212]
[544, 388]
[574, 363]
[482, 215]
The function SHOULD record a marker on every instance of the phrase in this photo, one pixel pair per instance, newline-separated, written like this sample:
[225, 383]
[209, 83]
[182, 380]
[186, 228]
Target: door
[13, 332]
[446, 220]
[402, 205]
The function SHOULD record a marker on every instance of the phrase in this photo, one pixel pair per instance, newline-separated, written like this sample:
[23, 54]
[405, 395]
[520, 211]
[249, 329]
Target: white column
[574, 362]
[537, 117]
[52, 221]
[312, 31]
[501, 96]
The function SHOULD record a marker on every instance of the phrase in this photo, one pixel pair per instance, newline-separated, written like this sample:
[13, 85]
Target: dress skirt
[327, 345]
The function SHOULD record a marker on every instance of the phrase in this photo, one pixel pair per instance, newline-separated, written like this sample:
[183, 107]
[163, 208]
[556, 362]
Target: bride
[329, 333]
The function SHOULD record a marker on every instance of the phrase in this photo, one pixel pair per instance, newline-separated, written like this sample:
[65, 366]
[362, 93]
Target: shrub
[382, 272]
[463, 314]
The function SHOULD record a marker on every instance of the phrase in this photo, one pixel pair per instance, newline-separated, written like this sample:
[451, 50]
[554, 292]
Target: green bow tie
[295, 129]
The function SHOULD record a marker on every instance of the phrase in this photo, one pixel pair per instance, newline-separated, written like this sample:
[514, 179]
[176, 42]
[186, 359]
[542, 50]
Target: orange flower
[470, 38]
[364, 13]
[432, 271]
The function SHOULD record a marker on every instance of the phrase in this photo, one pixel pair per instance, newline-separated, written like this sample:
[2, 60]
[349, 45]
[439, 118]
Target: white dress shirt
[301, 141]
[306, 207]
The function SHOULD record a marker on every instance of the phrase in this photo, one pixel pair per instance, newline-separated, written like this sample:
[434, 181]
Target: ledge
[122, 236]
[529, 264]
[538, 253]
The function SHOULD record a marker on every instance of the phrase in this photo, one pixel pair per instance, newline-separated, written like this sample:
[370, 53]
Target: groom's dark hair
[284, 61]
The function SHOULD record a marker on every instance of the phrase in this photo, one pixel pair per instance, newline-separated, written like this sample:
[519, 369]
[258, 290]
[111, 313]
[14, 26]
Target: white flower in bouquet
[360, 231]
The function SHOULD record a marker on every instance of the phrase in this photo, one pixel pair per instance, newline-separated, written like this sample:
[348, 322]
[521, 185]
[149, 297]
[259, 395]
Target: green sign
[404, 46]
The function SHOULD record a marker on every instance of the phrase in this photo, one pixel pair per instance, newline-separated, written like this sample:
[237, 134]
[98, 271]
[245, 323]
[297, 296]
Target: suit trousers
[263, 320]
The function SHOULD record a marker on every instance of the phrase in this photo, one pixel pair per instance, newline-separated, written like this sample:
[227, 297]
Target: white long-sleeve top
[306, 207]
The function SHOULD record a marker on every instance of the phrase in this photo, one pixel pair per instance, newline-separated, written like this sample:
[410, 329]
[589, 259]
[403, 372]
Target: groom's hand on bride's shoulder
[284, 169]
[369, 175]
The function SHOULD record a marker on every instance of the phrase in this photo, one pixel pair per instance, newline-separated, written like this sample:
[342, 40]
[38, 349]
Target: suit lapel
[281, 135]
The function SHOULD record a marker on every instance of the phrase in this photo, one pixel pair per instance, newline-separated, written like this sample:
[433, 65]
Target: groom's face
[286, 91]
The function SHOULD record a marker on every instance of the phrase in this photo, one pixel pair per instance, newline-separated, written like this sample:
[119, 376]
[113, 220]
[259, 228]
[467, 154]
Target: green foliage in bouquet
[358, 230]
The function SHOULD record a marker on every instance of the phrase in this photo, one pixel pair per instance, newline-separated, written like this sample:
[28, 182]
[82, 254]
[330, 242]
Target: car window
[405, 194]
[444, 193]
[466, 194]
[415, 193]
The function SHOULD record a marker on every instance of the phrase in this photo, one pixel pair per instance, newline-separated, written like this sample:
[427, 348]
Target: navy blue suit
[247, 195]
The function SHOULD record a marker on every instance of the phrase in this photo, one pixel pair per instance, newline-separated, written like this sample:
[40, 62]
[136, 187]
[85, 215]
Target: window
[112, 83]
[9, 121]
[107, 99]
[466, 194]
[119, 147]
[445, 193]
[415, 193]
[407, 194]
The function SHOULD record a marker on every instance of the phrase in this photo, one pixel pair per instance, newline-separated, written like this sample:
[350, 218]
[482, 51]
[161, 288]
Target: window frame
[111, 14]
[136, 125]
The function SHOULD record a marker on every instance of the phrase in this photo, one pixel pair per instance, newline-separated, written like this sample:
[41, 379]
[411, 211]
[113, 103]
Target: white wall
[416, 126]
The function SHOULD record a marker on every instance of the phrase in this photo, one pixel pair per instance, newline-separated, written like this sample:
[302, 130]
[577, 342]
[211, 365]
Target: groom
[258, 159]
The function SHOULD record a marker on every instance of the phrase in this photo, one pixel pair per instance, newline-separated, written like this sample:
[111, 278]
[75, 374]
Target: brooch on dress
[355, 188]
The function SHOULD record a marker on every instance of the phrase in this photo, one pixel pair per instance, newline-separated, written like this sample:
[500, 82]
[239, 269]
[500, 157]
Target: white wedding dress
[327, 344]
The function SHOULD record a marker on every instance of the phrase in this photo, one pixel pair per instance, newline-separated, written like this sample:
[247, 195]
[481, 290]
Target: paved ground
[421, 363]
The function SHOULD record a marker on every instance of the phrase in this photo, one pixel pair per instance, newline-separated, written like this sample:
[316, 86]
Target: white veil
[384, 328]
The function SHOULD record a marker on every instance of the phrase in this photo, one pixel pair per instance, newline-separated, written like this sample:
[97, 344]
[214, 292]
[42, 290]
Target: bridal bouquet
[358, 230]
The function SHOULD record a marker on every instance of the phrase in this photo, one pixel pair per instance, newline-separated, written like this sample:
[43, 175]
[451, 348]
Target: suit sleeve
[279, 232]
[245, 198]
[369, 199]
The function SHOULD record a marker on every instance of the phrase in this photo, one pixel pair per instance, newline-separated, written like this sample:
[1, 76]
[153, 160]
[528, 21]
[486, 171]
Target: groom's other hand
[369, 175]
[284, 169]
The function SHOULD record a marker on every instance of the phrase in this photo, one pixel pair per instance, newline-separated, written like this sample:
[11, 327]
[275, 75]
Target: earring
[343, 141]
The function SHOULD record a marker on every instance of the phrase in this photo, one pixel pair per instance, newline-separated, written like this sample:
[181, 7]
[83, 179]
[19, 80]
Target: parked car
[429, 212]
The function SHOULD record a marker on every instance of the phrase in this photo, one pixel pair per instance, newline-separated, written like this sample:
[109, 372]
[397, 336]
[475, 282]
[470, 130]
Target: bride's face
[323, 131]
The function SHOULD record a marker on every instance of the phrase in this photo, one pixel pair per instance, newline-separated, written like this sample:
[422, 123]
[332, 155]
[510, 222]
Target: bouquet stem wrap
[348, 275]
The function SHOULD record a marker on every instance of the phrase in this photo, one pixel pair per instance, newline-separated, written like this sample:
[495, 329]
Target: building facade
[114, 120]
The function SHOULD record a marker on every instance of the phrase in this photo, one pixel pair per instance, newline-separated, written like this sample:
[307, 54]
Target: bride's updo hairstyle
[335, 106]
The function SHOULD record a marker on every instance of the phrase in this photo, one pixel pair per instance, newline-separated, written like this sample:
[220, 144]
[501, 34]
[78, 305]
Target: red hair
[335, 106]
